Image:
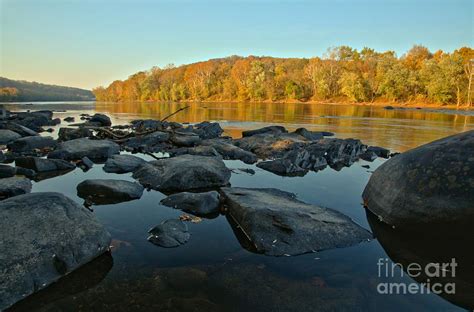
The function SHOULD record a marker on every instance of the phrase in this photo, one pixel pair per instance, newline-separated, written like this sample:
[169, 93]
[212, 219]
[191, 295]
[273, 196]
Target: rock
[123, 163]
[102, 119]
[183, 173]
[269, 129]
[152, 142]
[185, 139]
[7, 136]
[148, 124]
[100, 191]
[34, 120]
[7, 171]
[429, 186]
[198, 204]
[50, 130]
[283, 167]
[28, 144]
[69, 119]
[55, 122]
[379, 151]
[84, 147]
[29, 173]
[41, 164]
[51, 235]
[230, 151]
[208, 130]
[365, 166]
[310, 157]
[199, 150]
[278, 224]
[21, 130]
[269, 145]
[342, 151]
[66, 134]
[170, 233]
[368, 156]
[389, 107]
[14, 186]
[310, 135]
[85, 163]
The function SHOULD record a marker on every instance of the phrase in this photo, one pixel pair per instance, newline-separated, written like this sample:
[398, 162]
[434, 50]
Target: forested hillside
[20, 91]
[342, 74]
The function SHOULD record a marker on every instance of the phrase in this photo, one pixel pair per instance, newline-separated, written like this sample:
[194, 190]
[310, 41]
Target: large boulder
[44, 237]
[84, 147]
[183, 173]
[101, 119]
[35, 120]
[66, 134]
[14, 186]
[7, 171]
[278, 224]
[123, 163]
[7, 136]
[196, 203]
[430, 185]
[99, 191]
[42, 165]
[30, 143]
[208, 130]
[21, 130]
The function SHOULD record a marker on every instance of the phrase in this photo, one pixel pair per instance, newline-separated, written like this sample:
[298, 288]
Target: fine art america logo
[430, 272]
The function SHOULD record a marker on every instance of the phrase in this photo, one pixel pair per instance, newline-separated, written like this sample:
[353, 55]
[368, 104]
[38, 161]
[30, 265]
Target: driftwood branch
[172, 114]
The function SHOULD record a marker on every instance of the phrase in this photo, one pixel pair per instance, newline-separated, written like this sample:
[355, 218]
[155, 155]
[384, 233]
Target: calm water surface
[213, 272]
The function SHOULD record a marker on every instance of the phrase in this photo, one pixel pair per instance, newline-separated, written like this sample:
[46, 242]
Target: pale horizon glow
[90, 43]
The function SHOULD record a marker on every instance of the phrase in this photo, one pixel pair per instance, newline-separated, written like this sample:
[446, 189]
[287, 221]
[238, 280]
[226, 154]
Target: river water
[213, 271]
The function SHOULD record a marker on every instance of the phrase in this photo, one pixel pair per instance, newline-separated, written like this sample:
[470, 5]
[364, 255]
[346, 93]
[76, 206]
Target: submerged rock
[78, 148]
[170, 233]
[14, 186]
[28, 144]
[183, 173]
[41, 164]
[100, 191]
[196, 203]
[123, 163]
[278, 224]
[7, 136]
[44, 237]
[431, 185]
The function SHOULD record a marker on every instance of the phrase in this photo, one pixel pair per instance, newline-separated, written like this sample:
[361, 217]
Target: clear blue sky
[87, 43]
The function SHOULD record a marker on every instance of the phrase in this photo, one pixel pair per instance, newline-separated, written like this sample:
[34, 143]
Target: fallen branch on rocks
[172, 114]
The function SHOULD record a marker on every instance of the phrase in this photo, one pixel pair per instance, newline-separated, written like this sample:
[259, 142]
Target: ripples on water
[212, 272]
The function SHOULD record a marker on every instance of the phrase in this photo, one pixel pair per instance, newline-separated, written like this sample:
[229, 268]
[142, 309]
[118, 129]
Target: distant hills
[22, 91]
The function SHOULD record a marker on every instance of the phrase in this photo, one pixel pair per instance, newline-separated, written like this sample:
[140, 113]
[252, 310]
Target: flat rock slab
[278, 224]
[196, 203]
[44, 236]
[14, 186]
[104, 192]
[123, 163]
[7, 136]
[183, 173]
[84, 147]
[28, 144]
[43, 165]
[431, 185]
[170, 233]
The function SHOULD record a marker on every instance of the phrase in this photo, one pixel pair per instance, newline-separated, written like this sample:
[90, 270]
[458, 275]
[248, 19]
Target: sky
[86, 43]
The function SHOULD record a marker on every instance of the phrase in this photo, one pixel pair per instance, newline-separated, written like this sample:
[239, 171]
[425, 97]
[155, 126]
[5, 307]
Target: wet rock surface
[78, 148]
[28, 144]
[7, 136]
[66, 134]
[108, 191]
[278, 224]
[170, 233]
[430, 185]
[101, 119]
[196, 203]
[14, 186]
[42, 165]
[183, 173]
[229, 151]
[123, 163]
[70, 237]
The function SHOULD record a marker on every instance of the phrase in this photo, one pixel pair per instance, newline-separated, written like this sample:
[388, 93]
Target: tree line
[21, 91]
[343, 74]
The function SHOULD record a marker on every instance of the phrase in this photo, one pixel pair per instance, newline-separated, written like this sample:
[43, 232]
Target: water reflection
[425, 250]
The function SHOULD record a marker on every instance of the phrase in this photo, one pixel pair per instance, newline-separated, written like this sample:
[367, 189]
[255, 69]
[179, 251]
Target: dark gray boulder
[200, 150]
[196, 203]
[431, 185]
[183, 173]
[379, 151]
[7, 171]
[283, 167]
[278, 224]
[230, 151]
[66, 134]
[42, 165]
[28, 144]
[69, 119]
[99, 191]
[208, 130]
[85, 163]
[170, 233]
[21, 130]
[342, 151]
[270, 145]
[34, 120]
[185, 139]
[152, 142]
[123, 163]
[7, 136]
[101, 119]
[310, 135]
[44, 237]
[84, 147]
[269, 129]
[14, 186]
